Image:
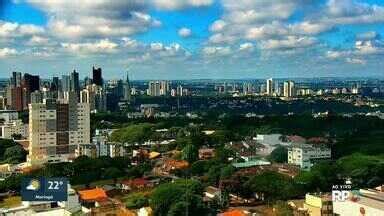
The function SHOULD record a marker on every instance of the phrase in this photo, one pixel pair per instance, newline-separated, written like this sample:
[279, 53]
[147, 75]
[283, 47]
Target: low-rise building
[14, 127]
[305, 155]
[206, 153]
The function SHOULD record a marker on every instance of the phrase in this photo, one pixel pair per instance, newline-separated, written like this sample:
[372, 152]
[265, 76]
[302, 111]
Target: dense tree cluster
[11, 152]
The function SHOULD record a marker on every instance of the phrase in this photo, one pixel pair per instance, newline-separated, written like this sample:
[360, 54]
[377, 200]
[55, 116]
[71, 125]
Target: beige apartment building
[57, 128]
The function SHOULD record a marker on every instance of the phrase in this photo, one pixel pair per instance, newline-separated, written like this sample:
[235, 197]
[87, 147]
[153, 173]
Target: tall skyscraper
[55, 85]
[74, 83]
[15, 92]
[65, 83]
[56, 128]
[97, 76]
[96, 97]
[289, 89]
[164, 87]
[179, 90]
[127, 89]
[158, 88]
[154, 88]
[15, 80]
[269, 87]
[30, 84]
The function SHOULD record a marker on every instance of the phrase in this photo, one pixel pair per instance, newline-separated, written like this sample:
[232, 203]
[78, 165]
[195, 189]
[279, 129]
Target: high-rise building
[30, 83]
[55, 85]
[179, 90]
[56, 128]
[277, 88]
[289, 89]
[74, 83]
[158, 88]
[87, 81]
[95, 96]
[65, 83]
[97, 77]
[127, 89]
[164, 87]
[269, 87]
[15, 80]
[15, 92]
[247, 88]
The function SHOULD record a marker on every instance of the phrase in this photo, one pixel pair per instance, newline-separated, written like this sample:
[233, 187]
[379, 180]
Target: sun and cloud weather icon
[34, 185]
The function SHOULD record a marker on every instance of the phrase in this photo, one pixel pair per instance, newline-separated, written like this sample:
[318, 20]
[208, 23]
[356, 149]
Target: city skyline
[192, 39]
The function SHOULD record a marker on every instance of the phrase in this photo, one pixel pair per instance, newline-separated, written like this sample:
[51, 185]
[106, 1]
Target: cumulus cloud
[246, 47]
[100, 18]
[290, 42]
[184, 32]
[352, 12]
[245, 11]
[9, 29]
[216, 51]
[6, 52]
[102, 46]
[222, 38]
[217, 26]
[355, 61]
[369, 47]
[180, 4]
[371, 35]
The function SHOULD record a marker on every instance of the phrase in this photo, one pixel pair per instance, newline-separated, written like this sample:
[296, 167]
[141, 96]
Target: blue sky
[189, 39]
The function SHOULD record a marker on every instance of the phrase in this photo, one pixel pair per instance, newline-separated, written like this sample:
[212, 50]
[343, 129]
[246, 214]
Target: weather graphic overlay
[44, 189]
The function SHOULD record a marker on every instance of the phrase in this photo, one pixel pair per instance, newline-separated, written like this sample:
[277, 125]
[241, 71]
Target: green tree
[279, 155]
[112, 173]
[165, 197]
[133, 133]
[272, 186]
[190, 153]
[136, 201]
[15, 154]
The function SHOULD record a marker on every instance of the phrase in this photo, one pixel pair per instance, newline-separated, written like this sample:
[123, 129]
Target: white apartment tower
[56, 128]
[270, 87]
[289, 89]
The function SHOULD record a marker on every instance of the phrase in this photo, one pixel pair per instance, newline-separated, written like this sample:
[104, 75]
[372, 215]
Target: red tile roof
[93, 194]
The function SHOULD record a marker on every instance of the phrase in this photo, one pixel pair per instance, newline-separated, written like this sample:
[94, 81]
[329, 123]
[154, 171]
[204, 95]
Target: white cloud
[221, 38]
[217, 26]
[129, 42]
[180, 4]
[369, 47]
[334, 54]
[246, 47]
[9, 29]
[100, 19]
[216, 51]
[370, 35]
[310, 28]
[102, 46]
[248, 11]
[355, 61]
[184, 32]
[6, 52]
[267, 31]
[352, 12]
[38, 41]
[289, 42]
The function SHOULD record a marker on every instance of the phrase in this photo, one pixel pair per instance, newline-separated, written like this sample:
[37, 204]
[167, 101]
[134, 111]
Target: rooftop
[93, 194]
